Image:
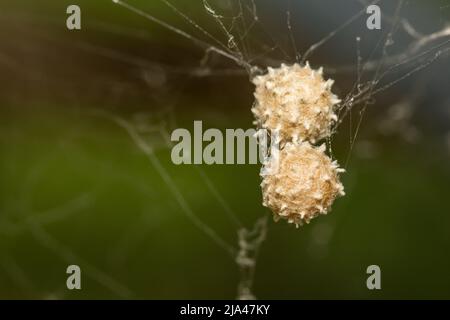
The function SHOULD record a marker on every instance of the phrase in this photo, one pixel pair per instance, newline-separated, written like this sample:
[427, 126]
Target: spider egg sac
[296, 101]
[304, 185]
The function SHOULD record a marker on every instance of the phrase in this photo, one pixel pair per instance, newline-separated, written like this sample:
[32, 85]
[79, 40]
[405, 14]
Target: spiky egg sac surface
[302, 184]
[296, 101]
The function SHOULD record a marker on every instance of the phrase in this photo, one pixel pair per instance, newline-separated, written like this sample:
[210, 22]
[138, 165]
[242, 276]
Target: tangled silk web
[304, 120]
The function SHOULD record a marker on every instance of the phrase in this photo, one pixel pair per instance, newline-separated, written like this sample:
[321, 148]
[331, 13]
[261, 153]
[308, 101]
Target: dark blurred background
[75, 188]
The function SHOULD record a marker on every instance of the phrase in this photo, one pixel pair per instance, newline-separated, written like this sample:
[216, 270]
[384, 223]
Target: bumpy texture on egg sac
[302, 184]
[295, 100]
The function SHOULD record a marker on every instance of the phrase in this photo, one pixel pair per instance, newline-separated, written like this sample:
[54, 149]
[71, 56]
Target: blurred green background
[75, 188]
